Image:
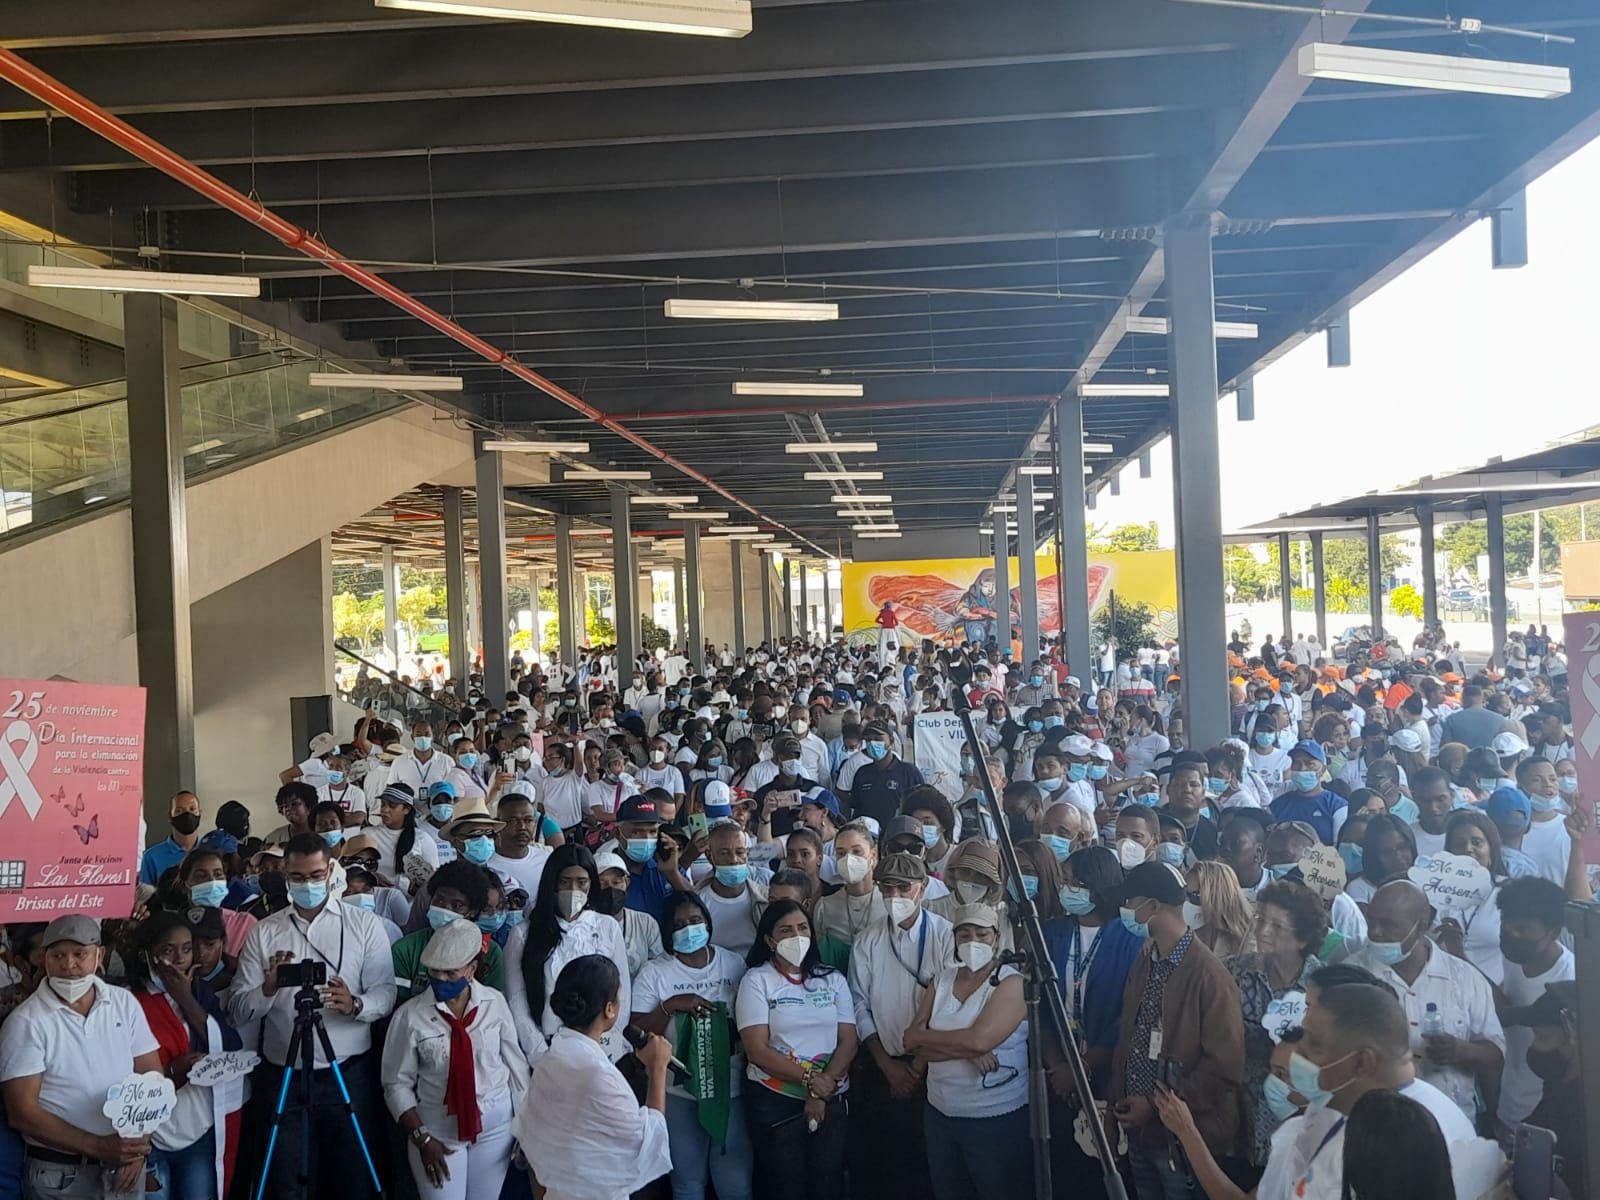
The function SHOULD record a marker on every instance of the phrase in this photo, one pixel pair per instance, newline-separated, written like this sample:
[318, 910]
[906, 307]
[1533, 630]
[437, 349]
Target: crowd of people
[697, 924]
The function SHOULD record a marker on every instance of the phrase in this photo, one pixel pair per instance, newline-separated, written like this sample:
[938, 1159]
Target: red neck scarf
[461, 1088]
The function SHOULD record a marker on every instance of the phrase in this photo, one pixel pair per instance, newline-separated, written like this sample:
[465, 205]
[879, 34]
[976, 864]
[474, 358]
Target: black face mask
[1518, 950]
[1550, 1065]
[186, 823]
[608, 901]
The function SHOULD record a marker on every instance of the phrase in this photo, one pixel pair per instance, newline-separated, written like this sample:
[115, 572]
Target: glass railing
[65, 452]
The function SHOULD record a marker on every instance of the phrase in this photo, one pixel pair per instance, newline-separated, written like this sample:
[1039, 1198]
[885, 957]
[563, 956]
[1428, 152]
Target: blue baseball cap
[822, 798]
[1313, 749]
[1510, 806]
[441, 789]
[221, 841]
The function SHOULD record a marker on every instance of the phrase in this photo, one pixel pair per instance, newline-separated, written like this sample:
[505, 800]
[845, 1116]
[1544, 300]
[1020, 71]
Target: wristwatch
[421, 1136]
[356, 1006]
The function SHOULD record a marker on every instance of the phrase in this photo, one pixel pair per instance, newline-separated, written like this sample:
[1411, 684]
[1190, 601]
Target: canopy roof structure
[980, 188]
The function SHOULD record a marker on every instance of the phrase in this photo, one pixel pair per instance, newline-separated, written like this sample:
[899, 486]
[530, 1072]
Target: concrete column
[1492, 504]
[455, 585]
[1319, 590]
[693, 592]
[827, 605]
[391, 606]
[1196, 492]
[1285, 587]
[159, 518]
[767, 596]
[569, 600]
[535, 617]
[1027, 569]
[1072, 537]
[624, 607]
[680, 601]
[492, 574]
[736, 581]
[1374, 576]
[1430, 569]
[788, 598]
[1002, 583]
[1509, 246]
[804, 607]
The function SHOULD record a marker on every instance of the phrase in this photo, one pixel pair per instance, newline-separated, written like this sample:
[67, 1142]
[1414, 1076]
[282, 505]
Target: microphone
[638, 1038]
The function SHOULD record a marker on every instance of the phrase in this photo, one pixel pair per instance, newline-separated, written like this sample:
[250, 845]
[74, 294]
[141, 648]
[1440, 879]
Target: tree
[1406, 601]
[1124, 537]
[1346, 559]
[418, 604]
[1463, 541]
[357, 618]
[653, 636]
[1128, 625]
[1248, 575]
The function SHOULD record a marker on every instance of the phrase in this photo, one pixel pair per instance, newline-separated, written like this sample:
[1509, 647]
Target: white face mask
[901, 908]
[570, 904]
[970, 893]
[72, 990]
[852, 868]
[658, 756]
[975, 956]
[1192, 916]
[793, 950]
[799, 727]
[1130, 854]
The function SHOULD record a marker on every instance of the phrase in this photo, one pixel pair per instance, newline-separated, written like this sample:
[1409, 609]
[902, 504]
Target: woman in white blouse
[453, 1072]
[584, 1135]
[971, 1035]
[560, 928]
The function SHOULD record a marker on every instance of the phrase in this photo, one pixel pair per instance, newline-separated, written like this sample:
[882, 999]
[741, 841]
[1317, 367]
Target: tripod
[1041, 983]
[308, 1022]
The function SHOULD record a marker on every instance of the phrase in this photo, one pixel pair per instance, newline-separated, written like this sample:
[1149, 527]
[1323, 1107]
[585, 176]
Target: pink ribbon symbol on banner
[1590, 737]
[14, 768]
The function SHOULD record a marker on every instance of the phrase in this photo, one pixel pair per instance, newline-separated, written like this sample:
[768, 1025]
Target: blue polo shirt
[1318, 809]
[157, 859]
[648, 890]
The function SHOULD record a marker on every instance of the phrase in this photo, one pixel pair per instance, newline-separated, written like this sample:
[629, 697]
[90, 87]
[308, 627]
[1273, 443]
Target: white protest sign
[1452, 880]
[140, 1104]
[223, 1067]
[938, 738]
[1323, 870]
[1287, 1012]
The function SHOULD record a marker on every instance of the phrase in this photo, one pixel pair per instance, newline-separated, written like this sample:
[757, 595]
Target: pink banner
[71, 788]
[1581, 631]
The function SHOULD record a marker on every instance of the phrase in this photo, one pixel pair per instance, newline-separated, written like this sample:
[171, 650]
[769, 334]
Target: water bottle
[1432, 1022]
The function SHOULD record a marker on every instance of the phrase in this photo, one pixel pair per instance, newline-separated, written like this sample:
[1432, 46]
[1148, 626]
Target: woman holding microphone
[605, 1145]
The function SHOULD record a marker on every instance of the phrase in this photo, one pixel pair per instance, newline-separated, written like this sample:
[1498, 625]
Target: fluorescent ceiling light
[831, 447]
[740, 537]
[538, 447]
[1242, 330]
[1036, 470]
[596, 474]
[397, 383]
[751, 310]
[874, 528]
[666, 499]
[825, 476]
[701, 515]
[894, 534]
[1099, 448]
[757, 388]
[1440, 72]
[868, 513]
[1123, 389]
[166, 282]
[884, 499]
[738, 529]
[708, 18]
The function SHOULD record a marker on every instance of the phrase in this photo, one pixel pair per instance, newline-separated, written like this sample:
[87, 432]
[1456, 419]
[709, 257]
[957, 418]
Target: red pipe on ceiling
[824, 410]
[45, 87]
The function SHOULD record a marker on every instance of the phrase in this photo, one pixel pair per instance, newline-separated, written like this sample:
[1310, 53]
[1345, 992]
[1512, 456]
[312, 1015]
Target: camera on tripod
[306, 976]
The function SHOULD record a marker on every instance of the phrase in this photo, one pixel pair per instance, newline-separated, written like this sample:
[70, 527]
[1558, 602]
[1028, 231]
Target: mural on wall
[953, 599]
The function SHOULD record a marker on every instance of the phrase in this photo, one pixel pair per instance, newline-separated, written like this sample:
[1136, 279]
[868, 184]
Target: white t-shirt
[733, 921]
[349, 797]
[562, 798]
[717, 982]
[956, 1087]
[1549, 845]
[802, 1019]
[666, 776]
[1520, 1089]
[605, 796]
[524, 872]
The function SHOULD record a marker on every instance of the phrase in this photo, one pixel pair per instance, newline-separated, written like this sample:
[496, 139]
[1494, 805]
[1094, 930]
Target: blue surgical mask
[1305, 781]
[1131, 922]
[1276, 1092]
[1351, 853]
[1215, 786]
[478, 849]
[876, 751]
[447, 989]
[514, 918]
[691, 938]
[424, 744]
[209, 895]
[714, 761]
[1148, 799]
[742, 713]
[1261, 705]
[1568, 784]
[467, 761]
[1049, 785]
[1036, 680]
[1170, 853]
[492, 923]
[930, 835]
[1030, 886]
[1278, 870]
[333, 836]
[1076, 900]
[793, 766]
[309, 895]
[335, 778]
[640, 849]
[1542, 803]
[441, 812]
[1098, 771]
[1389, 953]
[438, 917]
[734, 876]
[1077, 772]
[362, 900]
[1266, 738]
[1488, 786]
[1054, 722]
[1059, 846]
[1035, 726]
[1305, 1077]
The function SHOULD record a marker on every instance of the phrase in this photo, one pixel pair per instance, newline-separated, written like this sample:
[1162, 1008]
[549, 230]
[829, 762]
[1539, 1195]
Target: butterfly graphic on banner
[74, 807]
[93, 831]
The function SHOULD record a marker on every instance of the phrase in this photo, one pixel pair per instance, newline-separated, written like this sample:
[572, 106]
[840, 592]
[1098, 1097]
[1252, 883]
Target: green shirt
[835, 953]
[411, 977]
